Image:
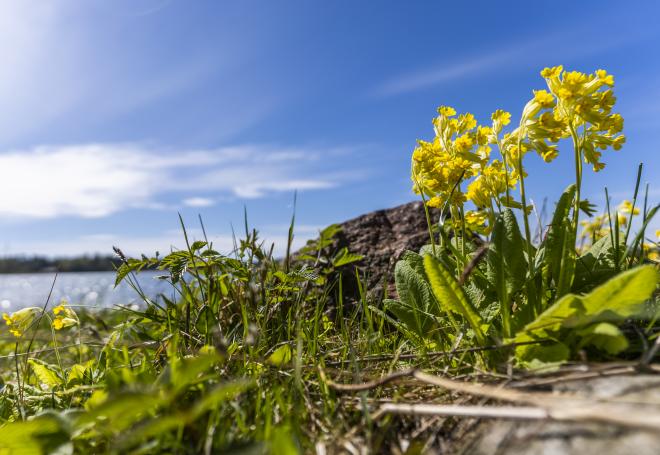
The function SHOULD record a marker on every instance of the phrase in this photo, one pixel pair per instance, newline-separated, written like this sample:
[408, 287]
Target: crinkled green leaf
[46, 373]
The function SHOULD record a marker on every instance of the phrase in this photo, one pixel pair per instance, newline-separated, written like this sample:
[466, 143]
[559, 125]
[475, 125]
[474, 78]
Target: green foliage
[507, 299]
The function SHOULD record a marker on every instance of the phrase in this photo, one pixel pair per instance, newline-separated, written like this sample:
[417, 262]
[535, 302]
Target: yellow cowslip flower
[651, 252]
[477, 221]
[463, 143]
[19, 321]
[657, 234]
[555, 71]
[605, 78]
[627, 207]
[64, 316]
[622, 219]
[544, 98]
[490, 184]
[594, 229]
[456, 154]
[500, 119]
[584, 103]
[446, 111]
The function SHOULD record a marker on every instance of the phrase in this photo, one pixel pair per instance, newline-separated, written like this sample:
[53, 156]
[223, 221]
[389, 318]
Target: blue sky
[114, 115]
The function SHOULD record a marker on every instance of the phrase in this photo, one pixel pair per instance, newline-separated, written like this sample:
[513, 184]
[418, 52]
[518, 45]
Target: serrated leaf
[450, 296]
[46, 373]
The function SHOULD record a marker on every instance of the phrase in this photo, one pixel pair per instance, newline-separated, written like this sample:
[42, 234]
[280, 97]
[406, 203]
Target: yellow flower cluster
[64, 316]
[460, 151]
[455, 154]
[21, 320]
[575, 105]
[579, 105]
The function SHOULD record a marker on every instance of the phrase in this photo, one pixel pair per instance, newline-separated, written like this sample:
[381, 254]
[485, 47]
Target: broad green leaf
[559, 246]
[541, 355]
[605, 336]
[41, 435]
[221, 393]
[280, 356]
[619, 298]
[186, 371]
[47, 374]
[450, 296]
[123, 410]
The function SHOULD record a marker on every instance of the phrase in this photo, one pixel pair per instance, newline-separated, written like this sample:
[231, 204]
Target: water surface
[90, 289]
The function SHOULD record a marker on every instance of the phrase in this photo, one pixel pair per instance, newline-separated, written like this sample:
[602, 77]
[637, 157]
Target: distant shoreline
[42, 264]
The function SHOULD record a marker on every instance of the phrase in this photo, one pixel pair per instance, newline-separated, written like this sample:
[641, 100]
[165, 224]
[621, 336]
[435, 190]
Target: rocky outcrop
[382, 237]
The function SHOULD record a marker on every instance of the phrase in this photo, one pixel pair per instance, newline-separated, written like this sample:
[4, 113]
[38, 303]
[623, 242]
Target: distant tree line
[36, 264]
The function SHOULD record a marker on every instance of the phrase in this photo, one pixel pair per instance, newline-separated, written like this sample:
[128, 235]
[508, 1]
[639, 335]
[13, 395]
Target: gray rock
[491, 437]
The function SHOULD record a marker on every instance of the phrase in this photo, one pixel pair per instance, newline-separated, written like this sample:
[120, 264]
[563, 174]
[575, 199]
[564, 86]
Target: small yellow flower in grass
[657, 234]
[19, 321]
[627, 207]
[64, 316]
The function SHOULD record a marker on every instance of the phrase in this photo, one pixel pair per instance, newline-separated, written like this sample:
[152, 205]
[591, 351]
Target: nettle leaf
[46, 373]
[587, 207]
[559, 257]
[450, 295]
[197, 245]
[343, 257]
[507, 266]
[618, 299]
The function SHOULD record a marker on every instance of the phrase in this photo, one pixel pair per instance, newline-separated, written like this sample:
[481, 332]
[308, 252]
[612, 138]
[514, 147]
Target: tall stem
[578, 177]
[531, 288]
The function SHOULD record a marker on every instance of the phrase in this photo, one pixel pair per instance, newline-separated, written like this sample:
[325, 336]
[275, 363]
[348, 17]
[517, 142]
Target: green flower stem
[578, 176]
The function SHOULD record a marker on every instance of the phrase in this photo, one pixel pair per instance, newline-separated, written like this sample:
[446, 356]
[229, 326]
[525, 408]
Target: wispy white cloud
[198, 202]
[97, 180]
[552, 48]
